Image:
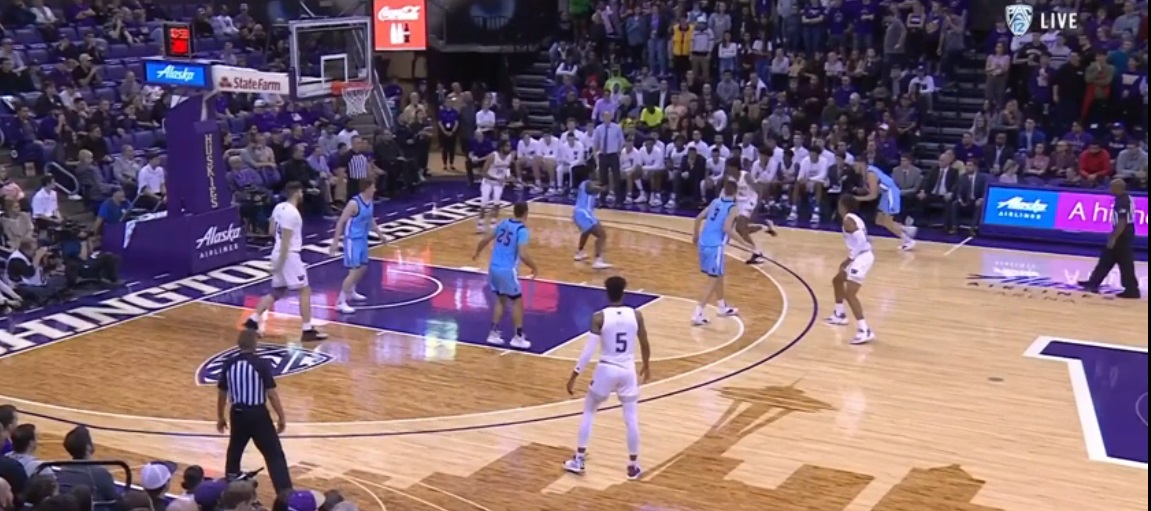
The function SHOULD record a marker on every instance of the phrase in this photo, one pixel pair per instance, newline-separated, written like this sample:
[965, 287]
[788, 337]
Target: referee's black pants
[1121, 254]
[254, 424]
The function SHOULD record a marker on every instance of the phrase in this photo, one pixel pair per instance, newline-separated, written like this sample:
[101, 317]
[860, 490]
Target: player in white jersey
[288, 270]
[570, 162]
[853, 271]
[497, 172]
[615, 331]
[675, 153]
[547, 149]
[652, 162]
[810, 183]
[716, 169]
[525, 159]
[746, 202]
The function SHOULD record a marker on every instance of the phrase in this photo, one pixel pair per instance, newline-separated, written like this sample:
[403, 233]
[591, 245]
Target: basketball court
[980, 393]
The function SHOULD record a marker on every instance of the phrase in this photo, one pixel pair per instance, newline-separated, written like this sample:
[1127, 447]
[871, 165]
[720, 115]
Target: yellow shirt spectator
[651, 116]
[681, 36]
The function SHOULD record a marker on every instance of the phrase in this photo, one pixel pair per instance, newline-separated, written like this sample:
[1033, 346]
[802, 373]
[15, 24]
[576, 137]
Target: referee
[358, 165]
[246, 381]
[1119, 250]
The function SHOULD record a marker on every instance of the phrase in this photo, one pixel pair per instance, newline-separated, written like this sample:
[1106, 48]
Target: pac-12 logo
[1019, 18]
[285, 361]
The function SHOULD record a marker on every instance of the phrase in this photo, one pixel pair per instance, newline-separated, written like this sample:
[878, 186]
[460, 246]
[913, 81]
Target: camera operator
[83, 262]
[31, 270]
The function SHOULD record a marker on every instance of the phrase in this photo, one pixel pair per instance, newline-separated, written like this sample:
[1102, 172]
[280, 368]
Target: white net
[356, 97]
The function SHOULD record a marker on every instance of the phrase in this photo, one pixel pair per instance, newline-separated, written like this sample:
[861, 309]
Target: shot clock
[178, 40]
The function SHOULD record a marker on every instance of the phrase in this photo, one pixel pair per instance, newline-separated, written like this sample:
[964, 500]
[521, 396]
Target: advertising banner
[179, 245]
[238, 79]
[197, 176]
[400, 25]
[178, 73]
[1075, 216]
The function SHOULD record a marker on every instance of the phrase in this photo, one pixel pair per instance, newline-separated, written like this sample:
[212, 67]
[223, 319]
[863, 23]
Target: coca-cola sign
[400, 25]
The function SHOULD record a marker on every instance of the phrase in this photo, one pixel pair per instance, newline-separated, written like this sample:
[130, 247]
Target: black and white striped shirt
[358, 166]
[247, 378]
[1123, 209]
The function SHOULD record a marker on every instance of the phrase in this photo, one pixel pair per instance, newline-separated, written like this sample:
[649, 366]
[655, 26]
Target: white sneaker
[642, 199]
[520, 342]
[911, 230]
[580, 256]
[611, 198]
[357, 297]
[553, 191]
[907, 246]
[600, 264]
[793, 216]
[815, 216]
[863, 337]
[628, 201]
[655, 202]
[537, 189]
[480, 228]
[728, 311]
[699, 321]
[836, 319]
[344, 308]
[494, 338]
[575, 465]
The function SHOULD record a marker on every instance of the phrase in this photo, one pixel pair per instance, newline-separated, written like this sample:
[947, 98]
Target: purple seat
[28, 36]
[137, 68]
[236, 125]
[83, 31]
[118, 51]
[88, 96]
[107, 175]
[114, 72]
[68, 32]
[107, 93]
[271, 177]
[144, 139]
[39, 55]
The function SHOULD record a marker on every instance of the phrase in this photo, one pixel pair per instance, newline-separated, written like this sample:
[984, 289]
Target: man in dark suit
[659, 97]
[970, 192]
[938, 187]
[996, 155]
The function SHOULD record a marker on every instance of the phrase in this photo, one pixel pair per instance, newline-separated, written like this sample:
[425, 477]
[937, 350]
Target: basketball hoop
[355, 94]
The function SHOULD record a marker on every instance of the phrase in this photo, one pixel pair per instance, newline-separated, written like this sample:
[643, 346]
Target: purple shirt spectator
[967, 150]
[604, 105]
[291, 115]
[247, 178]
[262, 119]
[1077, 140]
[79, 13]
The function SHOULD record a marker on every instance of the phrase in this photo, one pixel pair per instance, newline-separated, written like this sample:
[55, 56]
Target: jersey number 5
[621, 342]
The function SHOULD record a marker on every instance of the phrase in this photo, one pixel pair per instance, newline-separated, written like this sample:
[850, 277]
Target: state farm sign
[239, 79]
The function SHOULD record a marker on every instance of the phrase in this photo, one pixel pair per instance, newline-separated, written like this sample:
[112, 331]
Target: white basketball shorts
[610, 378]
[857, 269]
[491, 192]
[747, 206]
[293, 275]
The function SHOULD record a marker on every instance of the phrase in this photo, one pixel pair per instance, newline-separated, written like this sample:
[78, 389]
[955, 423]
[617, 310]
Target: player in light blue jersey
[882, 187]
[511, 246]
[713, 229]
[588, 224]
[352, 229]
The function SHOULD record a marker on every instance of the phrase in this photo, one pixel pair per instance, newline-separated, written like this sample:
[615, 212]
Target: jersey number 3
[621, 342]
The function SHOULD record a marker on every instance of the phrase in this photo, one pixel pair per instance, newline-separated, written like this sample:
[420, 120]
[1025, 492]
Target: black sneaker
[1130, 295]
[756, 259]
[1088, 286]
[312, 335]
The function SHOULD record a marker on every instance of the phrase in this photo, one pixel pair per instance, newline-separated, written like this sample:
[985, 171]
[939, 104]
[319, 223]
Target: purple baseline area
[1117, 381]
[409, 299]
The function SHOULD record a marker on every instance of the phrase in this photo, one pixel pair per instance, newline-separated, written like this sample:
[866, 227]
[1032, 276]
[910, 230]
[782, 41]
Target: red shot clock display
[178, 40]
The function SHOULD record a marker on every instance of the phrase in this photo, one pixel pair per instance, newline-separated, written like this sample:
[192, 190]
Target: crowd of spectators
[862, 80]
[30, 482]
[83, 127]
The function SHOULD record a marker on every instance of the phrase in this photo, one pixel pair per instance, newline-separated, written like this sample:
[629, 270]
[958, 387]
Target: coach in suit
[607, 141]
[996, 155]
[938, 187]
[970, 192]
